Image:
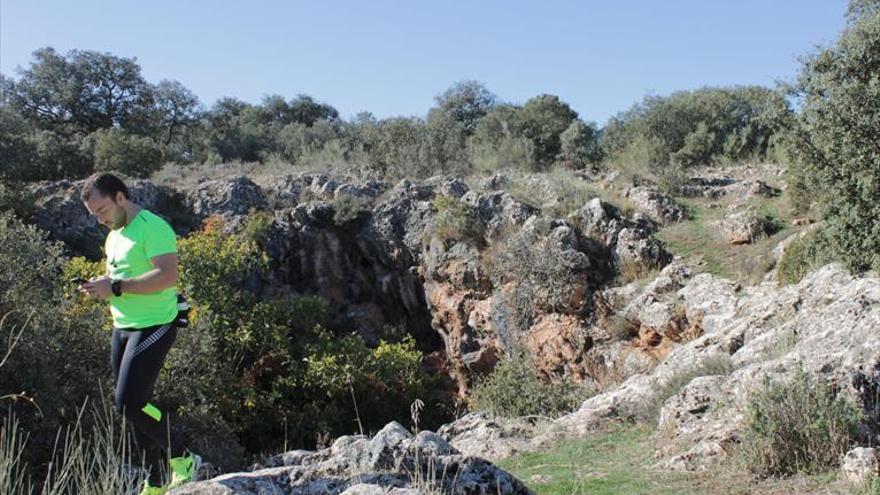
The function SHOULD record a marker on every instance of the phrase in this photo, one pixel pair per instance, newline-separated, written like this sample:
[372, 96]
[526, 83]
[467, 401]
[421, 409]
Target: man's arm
[162, 276]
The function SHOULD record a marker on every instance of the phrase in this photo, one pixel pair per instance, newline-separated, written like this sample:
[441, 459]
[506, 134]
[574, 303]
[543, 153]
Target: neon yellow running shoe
[184, 469]
[152, 490]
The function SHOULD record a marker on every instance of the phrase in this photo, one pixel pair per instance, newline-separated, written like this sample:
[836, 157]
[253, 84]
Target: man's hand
[98, 288]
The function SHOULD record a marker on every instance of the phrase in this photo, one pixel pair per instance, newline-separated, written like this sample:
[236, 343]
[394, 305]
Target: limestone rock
[657, 205]
[744, 227]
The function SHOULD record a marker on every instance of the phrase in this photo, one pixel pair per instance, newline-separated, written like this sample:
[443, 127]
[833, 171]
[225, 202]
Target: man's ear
[120, 197]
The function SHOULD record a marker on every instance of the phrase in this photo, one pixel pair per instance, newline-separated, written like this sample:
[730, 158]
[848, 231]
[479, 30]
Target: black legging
[136, 357]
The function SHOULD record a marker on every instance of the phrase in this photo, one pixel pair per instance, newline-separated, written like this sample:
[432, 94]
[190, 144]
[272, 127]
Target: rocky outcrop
[392, 461]
[369, 251]
[660, 207]
[744, 227]
[236, 196]
[828, 325]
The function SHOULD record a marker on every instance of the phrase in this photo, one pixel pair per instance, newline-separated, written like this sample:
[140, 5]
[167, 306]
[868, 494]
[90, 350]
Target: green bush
[798, 426]
[58, 349]
[806, 253]
[15, 197]
[515, 389]
[351, 385]
[690, 128]
[115, 149]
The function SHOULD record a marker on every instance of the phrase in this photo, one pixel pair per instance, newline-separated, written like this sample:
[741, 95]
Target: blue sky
[392, 58]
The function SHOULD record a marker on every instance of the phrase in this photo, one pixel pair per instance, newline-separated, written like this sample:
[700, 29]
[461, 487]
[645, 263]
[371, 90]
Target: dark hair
[105, 183]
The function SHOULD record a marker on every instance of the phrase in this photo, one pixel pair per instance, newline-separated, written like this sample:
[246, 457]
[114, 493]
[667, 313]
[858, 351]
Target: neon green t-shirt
[129, 251]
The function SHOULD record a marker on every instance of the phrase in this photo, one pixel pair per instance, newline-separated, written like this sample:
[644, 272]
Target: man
[140, 288]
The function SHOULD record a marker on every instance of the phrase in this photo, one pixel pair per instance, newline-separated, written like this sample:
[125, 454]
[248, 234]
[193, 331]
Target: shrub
[355, 386]
[805, 253]
[17, 199]
[455, 220]
[515, 389]
[60, 357]
[690, 128]
[515, 153]
[799, 425]
[542, 273]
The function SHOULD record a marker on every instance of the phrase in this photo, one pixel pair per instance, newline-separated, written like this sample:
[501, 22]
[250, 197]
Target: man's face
[106, 209]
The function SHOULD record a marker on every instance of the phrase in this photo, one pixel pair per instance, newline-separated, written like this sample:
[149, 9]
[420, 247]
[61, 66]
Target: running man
[140, 287]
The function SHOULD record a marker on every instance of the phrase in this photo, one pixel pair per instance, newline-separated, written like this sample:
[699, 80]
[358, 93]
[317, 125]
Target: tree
[465, 102]
[176, 108]
[835, 140]
[702, 126]
[236, 131]
[82, 92]
[544, 118]
[305, 110]
[580, 145]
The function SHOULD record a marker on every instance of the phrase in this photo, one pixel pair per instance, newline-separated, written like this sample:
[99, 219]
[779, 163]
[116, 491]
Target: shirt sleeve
[159, 239]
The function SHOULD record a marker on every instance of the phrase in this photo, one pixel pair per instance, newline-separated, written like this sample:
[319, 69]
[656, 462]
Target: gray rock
[744, 227]
[860, 465]
[636, 247]
[599, 220]
[390, 462]
[236, 196]
[657, 205]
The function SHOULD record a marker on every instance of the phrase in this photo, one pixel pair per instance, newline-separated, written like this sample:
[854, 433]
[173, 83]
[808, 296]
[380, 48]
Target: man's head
[105, 196]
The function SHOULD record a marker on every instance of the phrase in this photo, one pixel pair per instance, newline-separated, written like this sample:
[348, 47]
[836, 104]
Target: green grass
[611, 462]
[620, 460]
[701, 237]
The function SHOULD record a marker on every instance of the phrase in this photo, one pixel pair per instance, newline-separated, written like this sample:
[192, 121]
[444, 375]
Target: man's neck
[131, 211]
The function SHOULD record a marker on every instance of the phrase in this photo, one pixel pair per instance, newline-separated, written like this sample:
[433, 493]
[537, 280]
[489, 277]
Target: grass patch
[619, 461]
[701, 237]
[610, 462]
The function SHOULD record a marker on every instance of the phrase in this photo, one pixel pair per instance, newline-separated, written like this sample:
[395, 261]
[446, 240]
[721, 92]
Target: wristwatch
[116, 287]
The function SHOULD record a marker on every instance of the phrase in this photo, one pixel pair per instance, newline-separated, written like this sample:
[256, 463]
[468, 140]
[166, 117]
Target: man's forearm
[154, 280]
